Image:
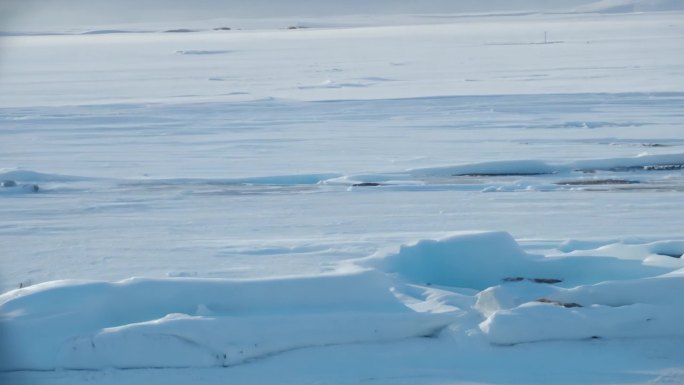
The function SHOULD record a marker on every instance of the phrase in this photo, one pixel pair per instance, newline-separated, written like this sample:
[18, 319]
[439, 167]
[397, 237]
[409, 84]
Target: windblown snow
[433, 198]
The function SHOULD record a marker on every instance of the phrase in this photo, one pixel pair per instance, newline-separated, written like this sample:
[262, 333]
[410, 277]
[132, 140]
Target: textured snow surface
[469, 288]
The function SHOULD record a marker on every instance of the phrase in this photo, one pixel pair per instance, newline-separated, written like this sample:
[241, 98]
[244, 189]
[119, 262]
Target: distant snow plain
[433, 199]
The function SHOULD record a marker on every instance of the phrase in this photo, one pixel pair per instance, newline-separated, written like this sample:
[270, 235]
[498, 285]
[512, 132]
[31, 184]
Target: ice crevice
[467, 285]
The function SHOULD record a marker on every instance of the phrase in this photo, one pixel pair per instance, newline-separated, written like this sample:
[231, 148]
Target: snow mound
[185, 322]
[472, 283]
[538, 167]
[33, 176]
[626, 309]
[485, 259]
[472, 260]
[518, 167]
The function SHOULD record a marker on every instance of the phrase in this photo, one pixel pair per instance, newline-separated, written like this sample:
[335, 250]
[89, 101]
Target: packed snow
[482, 198]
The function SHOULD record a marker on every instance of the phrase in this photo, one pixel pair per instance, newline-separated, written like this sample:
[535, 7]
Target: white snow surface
[433, 199]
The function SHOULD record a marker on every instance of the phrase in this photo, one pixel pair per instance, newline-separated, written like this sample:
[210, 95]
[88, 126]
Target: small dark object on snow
[513, 279]
[564, 304]
[595, 337]
[222, 29]
[535, 280]
[486, 174]
[34, 187]
[546, 280]
[593, 182]
[179, 30]
[366, 184]
[8, 183]
[664, 167]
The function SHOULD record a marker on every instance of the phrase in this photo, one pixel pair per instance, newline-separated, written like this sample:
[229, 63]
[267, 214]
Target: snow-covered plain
[433, 199]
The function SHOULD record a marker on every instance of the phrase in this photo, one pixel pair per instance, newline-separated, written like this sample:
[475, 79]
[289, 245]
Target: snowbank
[486, 259]
[518, 167]
[537, 167]
[473, 282]
[528, 298]
[33, 176]
[198, 322]
[629, 309]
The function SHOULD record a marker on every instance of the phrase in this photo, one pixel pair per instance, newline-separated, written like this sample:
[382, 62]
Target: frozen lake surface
[262, 182]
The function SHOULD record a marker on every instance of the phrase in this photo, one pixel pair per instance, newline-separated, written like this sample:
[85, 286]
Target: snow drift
[483, 259]
[480, 282]
[198, 322]
[629, 309]
[537, 167]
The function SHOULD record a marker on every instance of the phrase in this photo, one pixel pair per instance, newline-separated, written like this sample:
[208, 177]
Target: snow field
[592, 53]
[262, 180]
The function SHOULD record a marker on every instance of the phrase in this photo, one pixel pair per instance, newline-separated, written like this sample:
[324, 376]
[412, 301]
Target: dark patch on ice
[222, 29]
[664, 167]
[180, 30]
[513, 279]
[546, 280]
[593, 182]
[649, 167]
[654, 145]
[589, 124]
[528, 43]
[672, 255]
[503, 174]
[334, 84]
[366, 184]
[564, 304]
[433, 333]
[377, 79]
[105, 32]
[535, 280]
[12, 183]
[202, 52]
